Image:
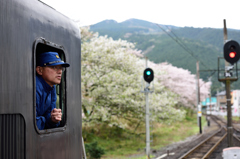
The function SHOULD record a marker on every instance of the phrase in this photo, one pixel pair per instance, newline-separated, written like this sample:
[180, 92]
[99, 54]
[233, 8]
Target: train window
[42, 116]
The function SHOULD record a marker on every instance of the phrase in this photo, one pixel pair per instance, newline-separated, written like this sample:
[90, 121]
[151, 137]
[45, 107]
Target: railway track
[209, 145]
[206, 147]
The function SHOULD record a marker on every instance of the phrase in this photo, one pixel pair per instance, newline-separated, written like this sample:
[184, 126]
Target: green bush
[94, 151]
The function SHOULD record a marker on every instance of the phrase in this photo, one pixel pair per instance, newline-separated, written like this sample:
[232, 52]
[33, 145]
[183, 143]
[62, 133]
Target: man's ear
[39, 70]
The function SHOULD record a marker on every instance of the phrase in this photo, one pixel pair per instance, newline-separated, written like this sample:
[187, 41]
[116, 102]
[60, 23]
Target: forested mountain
[180, 46]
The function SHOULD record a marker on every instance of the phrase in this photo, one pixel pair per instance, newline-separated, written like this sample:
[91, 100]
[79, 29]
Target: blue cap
[50, 59]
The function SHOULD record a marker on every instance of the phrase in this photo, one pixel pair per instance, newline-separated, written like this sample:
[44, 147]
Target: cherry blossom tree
[183, 83]
[112, 73]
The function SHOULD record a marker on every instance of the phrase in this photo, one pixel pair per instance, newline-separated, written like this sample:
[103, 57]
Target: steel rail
[236, 137]
[214, 147]
[216, 142]
[216, 119]
[200, 144]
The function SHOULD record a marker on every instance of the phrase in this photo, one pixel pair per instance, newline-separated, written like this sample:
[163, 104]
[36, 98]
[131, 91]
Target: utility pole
[229, 109]
[198, 100]
[210, 100]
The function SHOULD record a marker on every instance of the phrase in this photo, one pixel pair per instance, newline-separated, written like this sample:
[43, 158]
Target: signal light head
[148, 75]
[231, 51]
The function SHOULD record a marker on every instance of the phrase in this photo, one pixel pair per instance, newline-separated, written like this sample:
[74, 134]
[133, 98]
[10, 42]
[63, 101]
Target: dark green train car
[28, 28]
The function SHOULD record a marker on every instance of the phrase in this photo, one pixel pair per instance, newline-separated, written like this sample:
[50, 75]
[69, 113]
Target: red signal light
[231, 51]
[232, 54]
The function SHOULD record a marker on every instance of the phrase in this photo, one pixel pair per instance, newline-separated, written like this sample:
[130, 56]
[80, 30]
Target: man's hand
[56, 115]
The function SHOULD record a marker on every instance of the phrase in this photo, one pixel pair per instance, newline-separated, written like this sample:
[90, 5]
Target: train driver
[49, 72]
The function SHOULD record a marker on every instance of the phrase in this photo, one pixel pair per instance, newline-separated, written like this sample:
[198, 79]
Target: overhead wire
[179, 41]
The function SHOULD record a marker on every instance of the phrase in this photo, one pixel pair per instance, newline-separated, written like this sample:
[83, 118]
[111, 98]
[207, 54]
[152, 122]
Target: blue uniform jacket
[46, 98]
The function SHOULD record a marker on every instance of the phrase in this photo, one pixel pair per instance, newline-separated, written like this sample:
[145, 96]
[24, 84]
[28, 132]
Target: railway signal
[231, 51]
[148, 75]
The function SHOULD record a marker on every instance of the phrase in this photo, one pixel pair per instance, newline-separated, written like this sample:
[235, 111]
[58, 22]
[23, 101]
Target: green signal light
[148, 73]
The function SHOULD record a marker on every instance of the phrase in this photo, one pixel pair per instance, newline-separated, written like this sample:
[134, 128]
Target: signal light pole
[231, 54]
[148, 76]
[147, 123]
[227, 85]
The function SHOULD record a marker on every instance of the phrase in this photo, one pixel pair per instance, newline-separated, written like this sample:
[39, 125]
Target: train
[27, 29]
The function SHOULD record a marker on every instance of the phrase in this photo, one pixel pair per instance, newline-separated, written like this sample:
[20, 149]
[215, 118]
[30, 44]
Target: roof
[207, 101]
[221, 93]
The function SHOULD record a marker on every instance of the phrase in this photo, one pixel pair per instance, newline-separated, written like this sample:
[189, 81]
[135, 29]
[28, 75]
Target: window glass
[40, 47]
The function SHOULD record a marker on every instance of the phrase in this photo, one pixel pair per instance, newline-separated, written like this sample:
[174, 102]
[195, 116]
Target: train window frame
[42, 45]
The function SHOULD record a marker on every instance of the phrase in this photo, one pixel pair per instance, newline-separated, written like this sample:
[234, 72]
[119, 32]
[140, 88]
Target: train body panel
[26, 26]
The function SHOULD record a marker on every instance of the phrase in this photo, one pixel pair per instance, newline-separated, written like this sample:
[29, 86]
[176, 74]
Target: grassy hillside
[180, 46]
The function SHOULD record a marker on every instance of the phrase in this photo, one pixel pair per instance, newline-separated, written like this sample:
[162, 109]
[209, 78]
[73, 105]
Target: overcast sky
[195, 13]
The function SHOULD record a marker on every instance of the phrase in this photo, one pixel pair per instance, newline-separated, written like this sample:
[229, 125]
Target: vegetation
[120, 144]
[94, 151]
[203, 44]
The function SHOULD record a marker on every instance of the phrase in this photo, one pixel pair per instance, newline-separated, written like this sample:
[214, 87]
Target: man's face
[51, 74]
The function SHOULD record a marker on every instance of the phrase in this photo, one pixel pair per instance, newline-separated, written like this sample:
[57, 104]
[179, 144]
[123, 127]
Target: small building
[235, 102]
[209, 104]
[221, 100]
